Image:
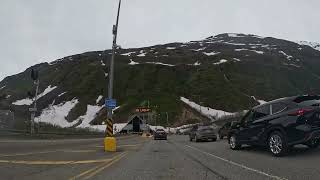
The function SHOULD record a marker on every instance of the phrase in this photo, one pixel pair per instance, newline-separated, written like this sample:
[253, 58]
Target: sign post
[110, 141]
[34, 76]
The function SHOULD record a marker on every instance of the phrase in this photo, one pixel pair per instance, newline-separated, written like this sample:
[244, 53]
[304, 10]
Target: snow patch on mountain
[142, 54]
[56, 114]
[133, 62]
[61, 94]
[259, 52]
[220, 62]
[290, 64]
[170, 48]
[128, 53]
[286, 55]
[211, 53]
[28, 101]
[200, 49]
[236, 59]
[2, 87]
[89, 116]
[102, 63]
[99, 99]
[313, 45]
[160, 63]
[235, 44]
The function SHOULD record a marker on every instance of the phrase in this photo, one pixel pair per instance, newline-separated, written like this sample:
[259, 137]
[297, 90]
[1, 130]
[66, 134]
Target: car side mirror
[235, 124]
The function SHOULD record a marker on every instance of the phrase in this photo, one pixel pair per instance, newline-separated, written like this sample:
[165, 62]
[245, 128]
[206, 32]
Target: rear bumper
[160, 137]
[312, 135]
[207, 136]
[308, 135]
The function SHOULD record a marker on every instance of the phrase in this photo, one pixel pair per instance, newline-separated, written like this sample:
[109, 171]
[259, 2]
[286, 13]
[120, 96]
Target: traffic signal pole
[33, 111]
[110, 141]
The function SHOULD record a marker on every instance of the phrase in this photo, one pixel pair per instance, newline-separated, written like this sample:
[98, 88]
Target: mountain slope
[221, 72]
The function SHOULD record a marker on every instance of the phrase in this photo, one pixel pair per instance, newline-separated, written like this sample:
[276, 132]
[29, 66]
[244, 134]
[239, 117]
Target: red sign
[143, 110]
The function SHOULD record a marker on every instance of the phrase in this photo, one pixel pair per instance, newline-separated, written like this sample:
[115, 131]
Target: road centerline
[83, 174]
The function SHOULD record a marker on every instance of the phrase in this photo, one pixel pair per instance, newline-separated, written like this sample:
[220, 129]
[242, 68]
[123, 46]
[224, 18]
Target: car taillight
[299, 112]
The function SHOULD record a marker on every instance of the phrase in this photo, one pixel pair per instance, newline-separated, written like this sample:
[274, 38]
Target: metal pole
[168, 122]
[33, 114]
[111, 72]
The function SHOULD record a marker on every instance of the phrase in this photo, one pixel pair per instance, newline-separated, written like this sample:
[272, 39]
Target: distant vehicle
[199, 133]
[279, 125]
[160, 134]
[224, 130]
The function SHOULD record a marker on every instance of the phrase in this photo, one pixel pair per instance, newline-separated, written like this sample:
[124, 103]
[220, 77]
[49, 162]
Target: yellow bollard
[110, 144]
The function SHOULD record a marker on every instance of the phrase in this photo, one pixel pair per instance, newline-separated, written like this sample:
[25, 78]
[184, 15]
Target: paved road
[143, 158]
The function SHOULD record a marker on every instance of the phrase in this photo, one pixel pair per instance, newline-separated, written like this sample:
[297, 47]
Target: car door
[254, 125]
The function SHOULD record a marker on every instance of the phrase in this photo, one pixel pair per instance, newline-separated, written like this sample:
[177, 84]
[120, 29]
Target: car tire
[190, 138]
[233, 143]
[277, 144]
[220, 136]
[214, 139]
[313, 144]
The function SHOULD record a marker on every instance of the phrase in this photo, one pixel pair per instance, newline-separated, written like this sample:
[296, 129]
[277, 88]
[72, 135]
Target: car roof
[284, 99]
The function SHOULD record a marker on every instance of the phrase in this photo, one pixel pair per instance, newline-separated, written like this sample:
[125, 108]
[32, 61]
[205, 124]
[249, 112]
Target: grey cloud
[34, 31]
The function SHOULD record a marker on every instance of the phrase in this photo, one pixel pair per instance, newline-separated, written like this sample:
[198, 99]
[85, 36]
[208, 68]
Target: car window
[248, 117]
[278, 107]
[308, 100]
[261, 112]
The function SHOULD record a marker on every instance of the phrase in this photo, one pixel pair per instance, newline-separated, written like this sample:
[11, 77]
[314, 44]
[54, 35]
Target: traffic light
[30, 95]
[34, 74]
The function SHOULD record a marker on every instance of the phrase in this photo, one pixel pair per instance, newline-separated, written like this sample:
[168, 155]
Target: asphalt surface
[144, 158]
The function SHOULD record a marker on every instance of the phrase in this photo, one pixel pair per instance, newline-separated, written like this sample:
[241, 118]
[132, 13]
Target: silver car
[200, 133]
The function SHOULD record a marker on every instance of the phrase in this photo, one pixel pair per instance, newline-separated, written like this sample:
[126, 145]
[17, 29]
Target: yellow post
[110, 143]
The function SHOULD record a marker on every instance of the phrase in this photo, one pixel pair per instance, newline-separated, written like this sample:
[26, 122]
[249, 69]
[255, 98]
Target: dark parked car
[160, 134]
[199, 133]
[224, 130]
[279, 125]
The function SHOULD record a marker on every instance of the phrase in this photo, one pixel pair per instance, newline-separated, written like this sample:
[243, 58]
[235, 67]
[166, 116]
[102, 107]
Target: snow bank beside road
[207, 111]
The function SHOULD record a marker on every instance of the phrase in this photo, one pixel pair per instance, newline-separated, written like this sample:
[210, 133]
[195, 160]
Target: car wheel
[220, 136]
[314, 143]
[190, 138]
[214, 139]
[277, 144]
[233, 143]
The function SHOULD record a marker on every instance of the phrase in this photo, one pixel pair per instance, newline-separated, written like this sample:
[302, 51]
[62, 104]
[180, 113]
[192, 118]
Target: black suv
[279, 125]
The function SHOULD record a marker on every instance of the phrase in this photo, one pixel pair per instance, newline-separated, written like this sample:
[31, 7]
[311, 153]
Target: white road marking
[237, 164]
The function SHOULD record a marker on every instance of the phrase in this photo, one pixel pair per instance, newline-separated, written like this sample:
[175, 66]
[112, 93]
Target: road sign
[32, 109]
[110, 103]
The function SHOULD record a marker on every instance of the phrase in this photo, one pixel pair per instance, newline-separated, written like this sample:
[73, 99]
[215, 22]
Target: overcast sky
[34, 31]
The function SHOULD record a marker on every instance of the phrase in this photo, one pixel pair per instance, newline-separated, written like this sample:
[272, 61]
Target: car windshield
[159, 89]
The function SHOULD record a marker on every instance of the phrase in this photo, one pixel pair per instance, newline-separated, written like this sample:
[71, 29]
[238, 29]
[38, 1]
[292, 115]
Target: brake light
[299, 112]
